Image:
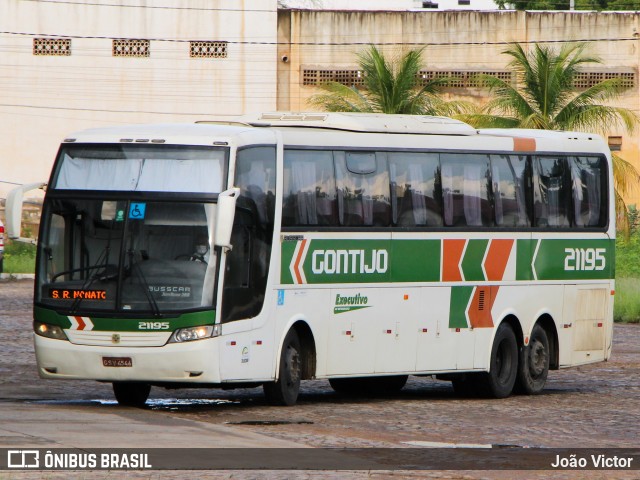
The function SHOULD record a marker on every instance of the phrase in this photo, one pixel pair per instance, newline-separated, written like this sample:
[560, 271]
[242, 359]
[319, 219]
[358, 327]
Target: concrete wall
[453, 40]
[43, 98]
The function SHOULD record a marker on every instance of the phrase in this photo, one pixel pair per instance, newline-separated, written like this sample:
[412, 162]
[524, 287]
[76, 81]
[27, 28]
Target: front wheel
[534, 363]
[498, 382]
[284, 391]
[131, 394]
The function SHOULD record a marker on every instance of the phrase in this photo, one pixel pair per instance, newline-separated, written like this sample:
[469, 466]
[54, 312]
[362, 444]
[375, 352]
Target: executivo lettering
[334, 262]
[350, 303]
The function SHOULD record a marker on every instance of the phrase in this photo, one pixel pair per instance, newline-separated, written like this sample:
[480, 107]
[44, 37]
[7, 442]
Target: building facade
[73, 65]
[322, 45]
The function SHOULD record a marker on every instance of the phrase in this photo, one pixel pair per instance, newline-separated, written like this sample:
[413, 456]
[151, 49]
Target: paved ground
[593, 406]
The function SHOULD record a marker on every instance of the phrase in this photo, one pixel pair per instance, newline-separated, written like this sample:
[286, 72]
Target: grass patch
[19, 257]
[626, 307]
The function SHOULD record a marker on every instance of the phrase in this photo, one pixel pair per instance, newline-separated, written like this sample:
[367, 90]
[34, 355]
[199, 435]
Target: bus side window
[588, 177]
[509, 178]
[551, 192]
[309, 189]
[415, 189]
[362, 181]
[466, 184]
[256, 178]
[243, 291]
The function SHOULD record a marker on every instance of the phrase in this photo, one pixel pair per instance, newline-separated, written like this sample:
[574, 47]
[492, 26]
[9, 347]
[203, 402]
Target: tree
[544, 97]
[390, 86]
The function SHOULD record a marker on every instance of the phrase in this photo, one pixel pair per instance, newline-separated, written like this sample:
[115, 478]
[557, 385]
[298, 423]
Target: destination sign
[75, 294]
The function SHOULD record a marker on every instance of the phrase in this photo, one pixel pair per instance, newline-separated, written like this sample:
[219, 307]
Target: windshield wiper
[133, 264]
[103, 276]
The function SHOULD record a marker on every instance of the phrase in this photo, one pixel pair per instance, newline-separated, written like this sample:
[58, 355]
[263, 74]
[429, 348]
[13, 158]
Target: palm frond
[484, 120]
[624, 175]
[584, 112]
[340, 98]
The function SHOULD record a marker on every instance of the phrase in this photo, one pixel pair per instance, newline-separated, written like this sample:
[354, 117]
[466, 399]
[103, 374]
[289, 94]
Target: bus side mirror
[224, 217]
[13, 210]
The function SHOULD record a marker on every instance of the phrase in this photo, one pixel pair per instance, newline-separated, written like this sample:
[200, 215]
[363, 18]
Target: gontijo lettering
[349, 261]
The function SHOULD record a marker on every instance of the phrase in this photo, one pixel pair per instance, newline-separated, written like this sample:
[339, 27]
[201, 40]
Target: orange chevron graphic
[451, 256]
[479, 312]
[298, 261]
[497, 258]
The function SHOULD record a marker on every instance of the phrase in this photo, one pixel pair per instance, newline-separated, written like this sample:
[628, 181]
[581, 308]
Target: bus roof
[362, 122]
[173, 133]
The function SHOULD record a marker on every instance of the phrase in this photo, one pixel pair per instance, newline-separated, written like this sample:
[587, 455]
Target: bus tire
[346, 386]
[499, 381]
[533, 367]
[465, 385]
[284, 391]
[389, 384]
[131, 394]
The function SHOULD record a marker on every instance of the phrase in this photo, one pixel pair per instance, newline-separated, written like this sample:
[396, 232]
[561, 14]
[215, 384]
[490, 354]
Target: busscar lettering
[170, 290]
[336, 262]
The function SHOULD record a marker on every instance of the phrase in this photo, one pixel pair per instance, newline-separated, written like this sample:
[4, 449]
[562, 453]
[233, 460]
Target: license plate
[117, 362]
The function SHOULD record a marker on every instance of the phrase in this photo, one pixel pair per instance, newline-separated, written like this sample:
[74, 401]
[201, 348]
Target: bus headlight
[49, 331]
[195, 333]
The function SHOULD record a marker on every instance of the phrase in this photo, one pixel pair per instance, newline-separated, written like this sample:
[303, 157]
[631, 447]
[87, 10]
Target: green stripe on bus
[472, 261]
[574, 259]
[326, 261]
[415, 260]
[458, 306]
[192, 319]
[524, 253]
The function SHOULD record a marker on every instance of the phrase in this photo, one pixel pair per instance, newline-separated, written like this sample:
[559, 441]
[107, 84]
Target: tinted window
[256, 178]
[509, 179]
[309, 188]
[415, 189]
[588, 175]
[363, 193]
[551, 192]
[465, 190]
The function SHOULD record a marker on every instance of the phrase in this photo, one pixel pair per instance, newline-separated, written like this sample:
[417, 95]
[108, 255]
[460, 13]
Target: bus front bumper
[188, 362]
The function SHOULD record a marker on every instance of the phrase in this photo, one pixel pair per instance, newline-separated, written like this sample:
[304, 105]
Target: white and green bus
[358, 248]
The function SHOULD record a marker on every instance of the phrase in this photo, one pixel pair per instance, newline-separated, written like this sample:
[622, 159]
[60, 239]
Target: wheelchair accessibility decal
[136, 211]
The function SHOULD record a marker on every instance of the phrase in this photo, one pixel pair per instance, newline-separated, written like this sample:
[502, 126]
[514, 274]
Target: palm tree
[546, 98]
[390, 86]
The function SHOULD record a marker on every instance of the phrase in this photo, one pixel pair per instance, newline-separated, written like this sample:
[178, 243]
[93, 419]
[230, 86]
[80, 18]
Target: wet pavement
[591, 406]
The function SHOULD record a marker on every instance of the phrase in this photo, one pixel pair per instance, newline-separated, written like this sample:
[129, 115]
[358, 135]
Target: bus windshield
[150, 168]
[126, 255]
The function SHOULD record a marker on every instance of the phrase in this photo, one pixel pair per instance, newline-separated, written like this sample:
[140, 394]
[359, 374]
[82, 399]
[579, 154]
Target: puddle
[271, 422]
[172, 404]
[427, 444]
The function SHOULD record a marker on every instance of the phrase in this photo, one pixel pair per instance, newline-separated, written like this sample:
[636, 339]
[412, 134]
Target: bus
[358, 248]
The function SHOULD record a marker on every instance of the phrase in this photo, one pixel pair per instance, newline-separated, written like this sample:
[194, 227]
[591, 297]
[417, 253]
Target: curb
[17, 276]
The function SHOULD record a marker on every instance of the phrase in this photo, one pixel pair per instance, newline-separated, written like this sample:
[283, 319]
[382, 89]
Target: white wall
[385, 4]
[352, 4]
[43, 98]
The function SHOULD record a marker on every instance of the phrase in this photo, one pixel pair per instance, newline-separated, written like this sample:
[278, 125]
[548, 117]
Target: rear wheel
[534, 363]
[498, 382]
[131, 394]
[285, 390]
